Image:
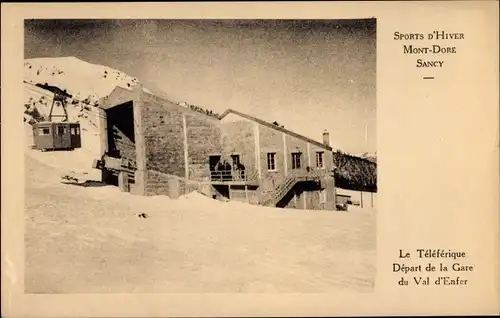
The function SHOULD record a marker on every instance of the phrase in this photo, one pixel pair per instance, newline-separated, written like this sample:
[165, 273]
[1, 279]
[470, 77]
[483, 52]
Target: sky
[308, 75]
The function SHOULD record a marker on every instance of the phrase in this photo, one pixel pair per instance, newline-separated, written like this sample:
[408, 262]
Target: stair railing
[287, 184]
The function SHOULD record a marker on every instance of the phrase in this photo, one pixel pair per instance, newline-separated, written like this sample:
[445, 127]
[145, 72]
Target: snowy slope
[90, 239]
[85, 81]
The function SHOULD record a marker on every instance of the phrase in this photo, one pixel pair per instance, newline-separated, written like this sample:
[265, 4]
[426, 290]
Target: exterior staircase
[275, 196]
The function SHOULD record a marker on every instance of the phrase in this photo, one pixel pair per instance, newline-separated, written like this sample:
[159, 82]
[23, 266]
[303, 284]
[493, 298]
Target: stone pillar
[123, 182]
[285, 155]
[174, 189]
[331, 197]
[103, 129]
[140, 142]
[103, 134]
[309, 155]
[139, 182]
[257, 150]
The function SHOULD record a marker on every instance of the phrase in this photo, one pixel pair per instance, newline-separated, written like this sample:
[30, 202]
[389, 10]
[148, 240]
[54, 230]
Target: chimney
[326, 138]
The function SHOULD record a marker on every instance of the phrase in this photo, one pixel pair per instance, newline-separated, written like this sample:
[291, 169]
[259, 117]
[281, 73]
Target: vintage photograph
[200, 156]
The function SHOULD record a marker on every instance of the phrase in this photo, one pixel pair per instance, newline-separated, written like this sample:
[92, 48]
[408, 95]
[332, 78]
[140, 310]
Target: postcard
[250, 159]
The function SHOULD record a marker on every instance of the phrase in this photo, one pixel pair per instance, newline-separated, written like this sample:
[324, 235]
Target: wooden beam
[257, 149]
[103, 130]
[140, 175]
[285, 155]
[309, 155]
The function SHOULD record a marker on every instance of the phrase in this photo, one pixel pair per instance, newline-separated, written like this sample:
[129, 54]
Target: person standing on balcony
[241, 169]
[219, 170]
[226, 171]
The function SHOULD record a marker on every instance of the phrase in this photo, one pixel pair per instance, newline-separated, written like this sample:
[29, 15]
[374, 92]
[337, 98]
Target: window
[60, 130]
[322, 196]
[236, 160]
[296, 160]
[271, 161]
[44, 131]
[77, 130]
[73, 131]
[319, 159]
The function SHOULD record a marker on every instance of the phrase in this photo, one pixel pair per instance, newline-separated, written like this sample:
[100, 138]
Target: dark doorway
[223, 190]
[121, 139]
[213, 162]
[236, 160]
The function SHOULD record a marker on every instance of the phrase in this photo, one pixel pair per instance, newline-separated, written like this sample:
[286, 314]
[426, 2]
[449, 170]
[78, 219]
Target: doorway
[223, 190]
[236, 160]
[213, 161]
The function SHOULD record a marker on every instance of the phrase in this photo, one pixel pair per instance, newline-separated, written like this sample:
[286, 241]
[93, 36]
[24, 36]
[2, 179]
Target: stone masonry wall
[271, 140]
[165, 126]
[164, 132]
[295, 145]
[239, 138]
[203, 136]
[327, 160]
[164, 138]
[172, 186]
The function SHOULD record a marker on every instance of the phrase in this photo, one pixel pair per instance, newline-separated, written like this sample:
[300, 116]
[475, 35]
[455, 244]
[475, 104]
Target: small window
[322, 196]
[319, 159]
[271, 161]
[77, 130]
[296, 160]
[44, 131]
[236, 160]
[60, 130]
[73, 131]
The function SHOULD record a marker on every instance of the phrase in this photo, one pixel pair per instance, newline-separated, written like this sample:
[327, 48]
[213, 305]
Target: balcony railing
[233, 175]
[305, 174]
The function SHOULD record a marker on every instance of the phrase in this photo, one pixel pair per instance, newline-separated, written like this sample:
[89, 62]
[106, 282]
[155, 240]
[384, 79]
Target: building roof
[275, 127]
[120, 95]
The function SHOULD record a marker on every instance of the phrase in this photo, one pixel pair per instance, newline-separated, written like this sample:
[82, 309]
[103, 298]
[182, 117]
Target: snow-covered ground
[84, 237]
[90, 239]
